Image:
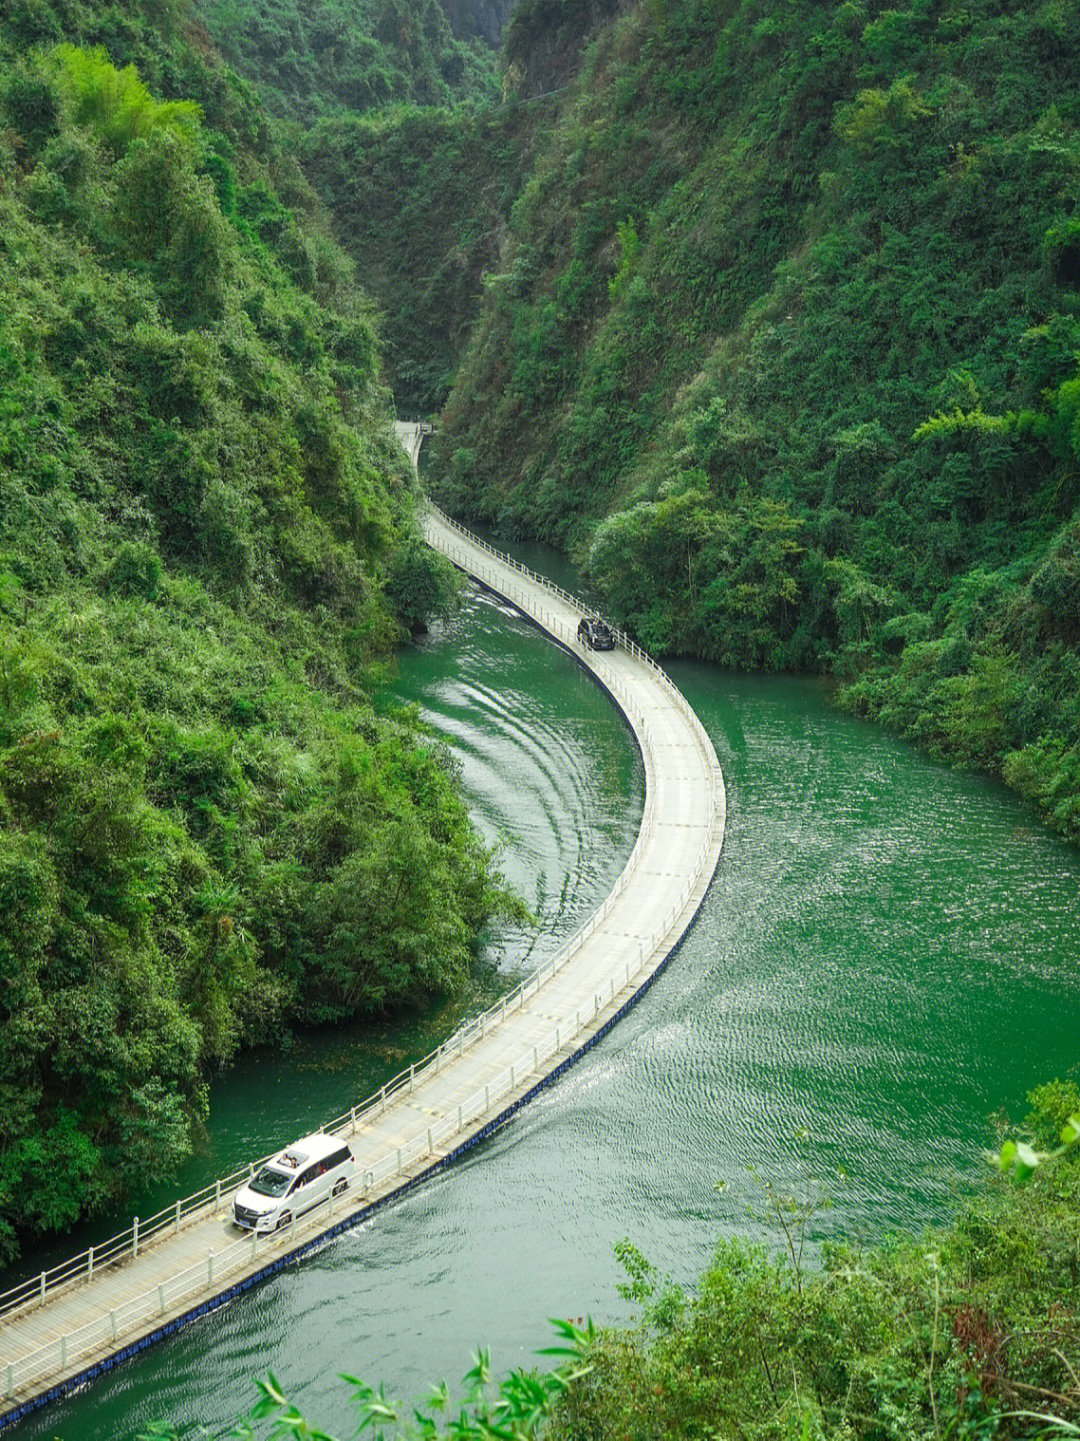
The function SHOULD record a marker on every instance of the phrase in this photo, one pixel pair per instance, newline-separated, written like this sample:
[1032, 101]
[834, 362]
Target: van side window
[308, 1175]
[338, 1158]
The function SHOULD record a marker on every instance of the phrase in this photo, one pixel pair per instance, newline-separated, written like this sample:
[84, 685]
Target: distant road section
[80, 1318]
[411, 434]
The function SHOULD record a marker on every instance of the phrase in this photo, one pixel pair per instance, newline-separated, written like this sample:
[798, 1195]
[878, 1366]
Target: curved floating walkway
[82, 1317]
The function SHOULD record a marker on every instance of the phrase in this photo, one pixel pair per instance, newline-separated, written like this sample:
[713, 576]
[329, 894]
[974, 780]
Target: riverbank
[875, 912]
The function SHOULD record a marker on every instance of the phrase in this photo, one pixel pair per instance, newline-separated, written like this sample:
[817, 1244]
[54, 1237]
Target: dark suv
[595, 633]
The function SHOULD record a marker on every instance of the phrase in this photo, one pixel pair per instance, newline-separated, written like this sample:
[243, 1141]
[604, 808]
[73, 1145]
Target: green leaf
[479, 1373]
[1007, 1156]
[272, 1387]
[1026, 1161]
[266, 1407]
[439, 1398]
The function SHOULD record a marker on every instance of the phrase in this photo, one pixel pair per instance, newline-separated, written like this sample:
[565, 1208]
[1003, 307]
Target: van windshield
[270, 1183]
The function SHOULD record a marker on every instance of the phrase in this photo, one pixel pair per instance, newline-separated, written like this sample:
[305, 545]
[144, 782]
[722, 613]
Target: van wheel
[285, 1219]
[342, 1185]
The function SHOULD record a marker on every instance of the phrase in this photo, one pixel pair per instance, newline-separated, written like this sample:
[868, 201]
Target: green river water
[887, 956]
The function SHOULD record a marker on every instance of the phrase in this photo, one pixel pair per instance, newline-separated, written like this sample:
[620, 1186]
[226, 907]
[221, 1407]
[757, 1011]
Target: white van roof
[315, 1147]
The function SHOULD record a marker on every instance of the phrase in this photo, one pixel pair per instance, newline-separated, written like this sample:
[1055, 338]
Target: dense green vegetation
[783, 345]
[969, 1332]
[207, 551]
[543, 40]
[421, 198]
[308, 60]
[778, 331]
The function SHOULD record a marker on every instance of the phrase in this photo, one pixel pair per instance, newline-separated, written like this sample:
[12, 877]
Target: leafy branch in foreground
[515, 1411]
[1021, 1159]
[966, 1333]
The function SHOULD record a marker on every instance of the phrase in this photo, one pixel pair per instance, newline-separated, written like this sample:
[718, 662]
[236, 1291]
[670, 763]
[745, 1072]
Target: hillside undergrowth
[783, 347]
[208, 551]
[316, 59]
[971, 1331]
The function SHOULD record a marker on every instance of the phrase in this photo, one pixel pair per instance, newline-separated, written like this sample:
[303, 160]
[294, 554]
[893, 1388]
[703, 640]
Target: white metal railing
[626, 641]
[59, 1355]
[207, 1278]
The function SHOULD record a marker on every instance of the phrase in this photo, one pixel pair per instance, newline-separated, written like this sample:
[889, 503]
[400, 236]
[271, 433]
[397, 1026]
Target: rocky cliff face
[483, 18]
[545, 38]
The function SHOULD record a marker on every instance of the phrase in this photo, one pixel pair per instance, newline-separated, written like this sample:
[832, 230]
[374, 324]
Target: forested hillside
[328, 56]
[421, 198]
[207, 553]
[769, 314]
[783, 345]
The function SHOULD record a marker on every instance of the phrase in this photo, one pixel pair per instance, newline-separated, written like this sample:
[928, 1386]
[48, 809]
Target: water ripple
[883, 941]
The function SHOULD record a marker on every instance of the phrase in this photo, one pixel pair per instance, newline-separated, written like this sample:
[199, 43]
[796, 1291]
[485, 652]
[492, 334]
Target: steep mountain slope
[784, 346]
[422, 199]
[485, 18]
[314, 59]
[422, 196]
[207, 552]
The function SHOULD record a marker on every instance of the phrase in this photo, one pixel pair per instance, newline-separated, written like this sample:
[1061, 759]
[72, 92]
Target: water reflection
[885, 957]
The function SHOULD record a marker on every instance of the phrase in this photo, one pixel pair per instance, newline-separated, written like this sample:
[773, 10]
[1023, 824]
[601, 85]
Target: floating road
[65, 1327]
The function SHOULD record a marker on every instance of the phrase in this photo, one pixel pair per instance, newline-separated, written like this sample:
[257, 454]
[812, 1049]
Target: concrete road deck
[473, 1083]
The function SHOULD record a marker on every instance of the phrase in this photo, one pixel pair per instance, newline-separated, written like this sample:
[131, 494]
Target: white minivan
[293, 1181]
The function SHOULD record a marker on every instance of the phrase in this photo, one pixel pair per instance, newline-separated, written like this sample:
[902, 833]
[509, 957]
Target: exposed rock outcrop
[483, 18]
